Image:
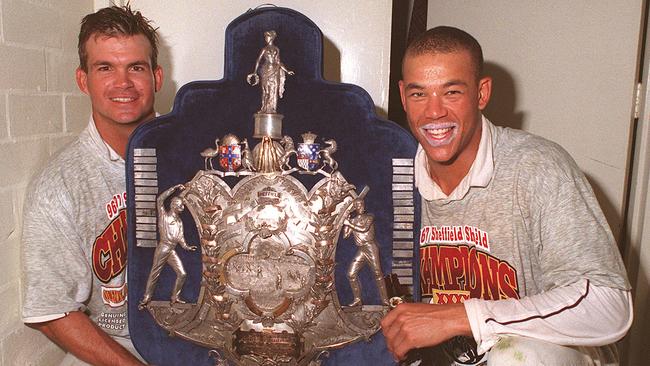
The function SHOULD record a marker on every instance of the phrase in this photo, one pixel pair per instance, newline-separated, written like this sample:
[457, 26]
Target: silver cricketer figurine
[170, 229]
[362, 228]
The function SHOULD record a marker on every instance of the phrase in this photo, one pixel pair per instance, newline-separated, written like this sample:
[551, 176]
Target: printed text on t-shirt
[455, 234]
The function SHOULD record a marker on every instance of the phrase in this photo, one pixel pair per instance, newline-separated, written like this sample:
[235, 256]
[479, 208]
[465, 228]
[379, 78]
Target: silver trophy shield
[267, 244]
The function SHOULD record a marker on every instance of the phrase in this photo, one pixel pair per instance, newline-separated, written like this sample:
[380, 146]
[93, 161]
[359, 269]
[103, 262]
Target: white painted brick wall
[77, 111]
[21, 68]
[41, 110]
[35, 115]
[60, 66]
[32, 24]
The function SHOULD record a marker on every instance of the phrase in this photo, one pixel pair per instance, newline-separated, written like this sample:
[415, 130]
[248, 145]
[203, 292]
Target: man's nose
[123, 79]
[435, 108]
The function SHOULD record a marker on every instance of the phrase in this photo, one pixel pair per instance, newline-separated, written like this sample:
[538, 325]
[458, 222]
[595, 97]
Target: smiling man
[515, 253]
[74, 236]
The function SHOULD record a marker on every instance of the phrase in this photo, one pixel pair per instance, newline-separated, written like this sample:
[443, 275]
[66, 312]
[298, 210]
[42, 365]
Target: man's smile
[438, 134]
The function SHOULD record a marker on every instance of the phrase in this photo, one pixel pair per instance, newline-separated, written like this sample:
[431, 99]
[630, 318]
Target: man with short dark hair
[514, 249]
[74, 237]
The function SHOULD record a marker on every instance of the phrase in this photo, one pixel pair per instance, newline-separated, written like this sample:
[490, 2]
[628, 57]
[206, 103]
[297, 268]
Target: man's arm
[78, 335]
[578, 314]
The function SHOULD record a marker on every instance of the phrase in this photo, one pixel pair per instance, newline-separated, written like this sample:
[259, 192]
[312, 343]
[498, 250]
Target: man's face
[120, 80]
[443, 100]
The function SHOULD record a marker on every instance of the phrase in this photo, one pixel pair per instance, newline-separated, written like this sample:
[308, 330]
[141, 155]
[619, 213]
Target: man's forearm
[579, 314]
[77, 334]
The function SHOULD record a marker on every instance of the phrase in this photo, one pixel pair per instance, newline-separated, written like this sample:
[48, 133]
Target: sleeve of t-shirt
[57, 276]
[571, 236]
[579, 314]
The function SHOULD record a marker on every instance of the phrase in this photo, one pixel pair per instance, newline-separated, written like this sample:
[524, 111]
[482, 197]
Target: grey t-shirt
[535, 226]
[74, 236]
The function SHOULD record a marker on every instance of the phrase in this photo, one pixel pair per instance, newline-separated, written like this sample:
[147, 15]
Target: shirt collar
[479, 175]
[100, 143]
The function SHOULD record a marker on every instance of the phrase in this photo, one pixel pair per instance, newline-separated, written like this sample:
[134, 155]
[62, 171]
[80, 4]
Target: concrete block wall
[41, 110]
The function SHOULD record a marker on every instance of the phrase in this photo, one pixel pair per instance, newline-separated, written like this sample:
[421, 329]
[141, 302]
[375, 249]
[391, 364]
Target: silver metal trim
[144, 168]
[403, 253]
[403, 245]
[145, 175]
[145, 160]
[402, 234]
[146, 182]
[146, 190]
[402, 162]
[403, 202]
[404, 218]
[145, 235]
[403, 178]
[145, 197]
[144, 152]
[403, 210]
[403, 170]
[403, 225]
[403, 195]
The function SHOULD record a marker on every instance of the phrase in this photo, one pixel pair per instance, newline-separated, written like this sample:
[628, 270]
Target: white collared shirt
[479, 175]
[97, 138]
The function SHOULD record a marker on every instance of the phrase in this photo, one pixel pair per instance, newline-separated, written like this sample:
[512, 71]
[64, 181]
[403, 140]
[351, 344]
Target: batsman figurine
[170, 228]
[362, 228]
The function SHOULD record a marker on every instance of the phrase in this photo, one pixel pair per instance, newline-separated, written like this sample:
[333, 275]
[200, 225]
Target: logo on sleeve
[109, 249]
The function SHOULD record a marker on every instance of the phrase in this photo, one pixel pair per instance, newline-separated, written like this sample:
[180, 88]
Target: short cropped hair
[116, 21]
[445, 39]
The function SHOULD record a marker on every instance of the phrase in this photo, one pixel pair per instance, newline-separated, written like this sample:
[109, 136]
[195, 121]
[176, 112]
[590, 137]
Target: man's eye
[417, 94]
[137, 68]
[103, 68]
[453, 92]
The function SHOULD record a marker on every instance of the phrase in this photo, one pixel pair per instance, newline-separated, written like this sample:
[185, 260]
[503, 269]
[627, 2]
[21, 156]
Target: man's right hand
[410, 326]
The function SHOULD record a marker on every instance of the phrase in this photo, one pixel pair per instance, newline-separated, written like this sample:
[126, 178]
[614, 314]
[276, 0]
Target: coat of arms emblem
[308, 156]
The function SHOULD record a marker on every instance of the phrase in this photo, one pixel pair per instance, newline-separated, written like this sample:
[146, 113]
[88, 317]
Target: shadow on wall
[332, 68]
[501, 110]
[331, 61]
[165, 97]
[609, 209]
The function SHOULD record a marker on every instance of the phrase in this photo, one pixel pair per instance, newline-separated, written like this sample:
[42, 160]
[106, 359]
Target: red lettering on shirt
[454, 273]
[109, 250]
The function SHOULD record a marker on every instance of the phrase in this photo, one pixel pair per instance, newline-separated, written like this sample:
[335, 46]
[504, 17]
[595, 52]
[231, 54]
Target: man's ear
[484, 92]
[158, 78]
[82, 80]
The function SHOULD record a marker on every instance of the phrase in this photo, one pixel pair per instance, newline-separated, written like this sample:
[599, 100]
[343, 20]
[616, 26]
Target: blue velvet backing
[204, 110]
